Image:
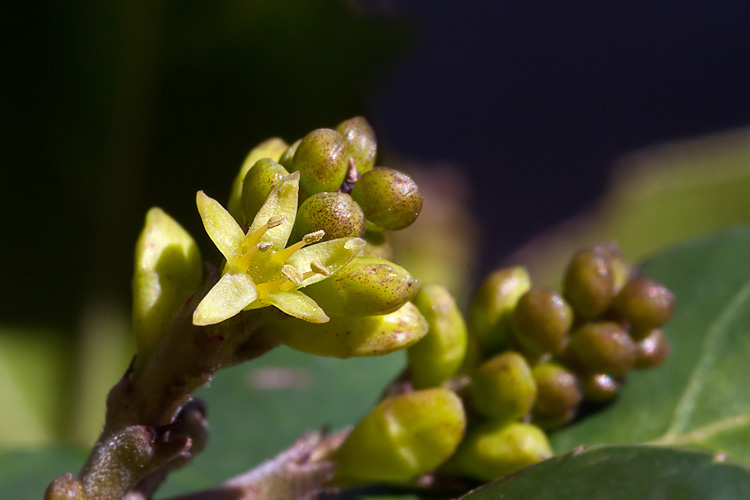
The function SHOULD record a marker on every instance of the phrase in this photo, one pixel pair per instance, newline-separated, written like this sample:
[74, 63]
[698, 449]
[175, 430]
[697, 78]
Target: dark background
[109, 108]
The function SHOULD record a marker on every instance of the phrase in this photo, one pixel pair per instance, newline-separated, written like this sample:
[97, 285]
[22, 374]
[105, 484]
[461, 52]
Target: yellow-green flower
[261, 270]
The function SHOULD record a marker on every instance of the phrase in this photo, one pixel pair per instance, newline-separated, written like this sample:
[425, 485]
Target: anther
[292, 274]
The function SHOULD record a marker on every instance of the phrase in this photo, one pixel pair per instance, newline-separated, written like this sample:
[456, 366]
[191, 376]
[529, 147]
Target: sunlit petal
[221, 227]
[297, 304]
[281, 202]
[333, 255]
[229, 296]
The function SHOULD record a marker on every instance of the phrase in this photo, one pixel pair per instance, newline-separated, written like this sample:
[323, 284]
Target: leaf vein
[686, 405]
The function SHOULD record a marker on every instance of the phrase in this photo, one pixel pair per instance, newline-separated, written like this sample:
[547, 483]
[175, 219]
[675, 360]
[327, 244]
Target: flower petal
[229, 296]
[221, 227]
[281, 202]
[333, 255]
[297, 304]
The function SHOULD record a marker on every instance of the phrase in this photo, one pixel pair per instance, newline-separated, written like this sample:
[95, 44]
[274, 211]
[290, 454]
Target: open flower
[261, 270]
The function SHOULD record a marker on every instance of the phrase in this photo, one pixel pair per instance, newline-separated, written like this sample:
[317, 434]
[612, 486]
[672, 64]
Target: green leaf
[259, 409]
[624, 473]
[25, 474]
[697, 397]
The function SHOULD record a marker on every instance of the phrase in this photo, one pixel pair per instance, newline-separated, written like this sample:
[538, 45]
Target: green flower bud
[541, 321]
[348, 336]
[589, 284]
[322, 161]
[492, 307]
[272, 148]
[496, 449]
[287, 157]
[603, 348]
[65, 487]
[377, 245]
[652, 350]
[364, 287]
[259, 181]
[361, 144]
[335, 213]
[440, 354]
[389, 199]
[645, 304]
[503, 387]
[403, 437]
[558, 395]
[618, 266]
[168, 270]
[600, 386]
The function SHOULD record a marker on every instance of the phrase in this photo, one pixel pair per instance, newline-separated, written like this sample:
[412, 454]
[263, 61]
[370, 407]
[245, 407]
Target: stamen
[244, 261]
[316, 268]
[307, 239]
[292, 273]
[264, 246]
[270, 286]
[319, 268]
[254, 239]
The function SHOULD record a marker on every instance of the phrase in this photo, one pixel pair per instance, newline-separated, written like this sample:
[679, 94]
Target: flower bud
[65, 487]
[600, 387]
[589, 284]
[167, 271]
[492, 307]
[335, 213]
[403, 437]
[271, 148]
[652, 350]
[364, 287]
[603, 348]
[558, 395]
[541, 321]
[441, 352]
[259, 181]
[287, 157]
[645, 304]
[503, 387]
[618, 266]
[496, 449]
[389, 198]
[322, 161]
[361, 144]
[377, 245]
[352, 336]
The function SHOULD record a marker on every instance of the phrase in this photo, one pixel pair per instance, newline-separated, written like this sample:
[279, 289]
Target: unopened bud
[503, 387]
[441, 352]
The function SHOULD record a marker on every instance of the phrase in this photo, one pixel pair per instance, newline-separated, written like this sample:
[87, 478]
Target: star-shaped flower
[261, 270]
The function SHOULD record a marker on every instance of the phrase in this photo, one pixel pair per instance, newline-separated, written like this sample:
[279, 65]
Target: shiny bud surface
[335, 213]
[600, 387]
[364, 287]
[589, 284]
[503, 387]
[652, 350]
[541, 321]
[440, 354]
[403, 437]
[496, 449]
[361, 143]
[492, 307]
[259, 181]
[352, 336]
[557, 389]
[389, 198]
[65, 487]
[603, 347]
[645, 304]
[322, 161]
[271, 148]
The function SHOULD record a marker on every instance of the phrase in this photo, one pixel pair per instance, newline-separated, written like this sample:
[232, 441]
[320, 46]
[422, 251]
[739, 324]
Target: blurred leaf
[25, 474]
[623, 473]
[657, 197]
[35, 370]
[697, 397]
[259, 409]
